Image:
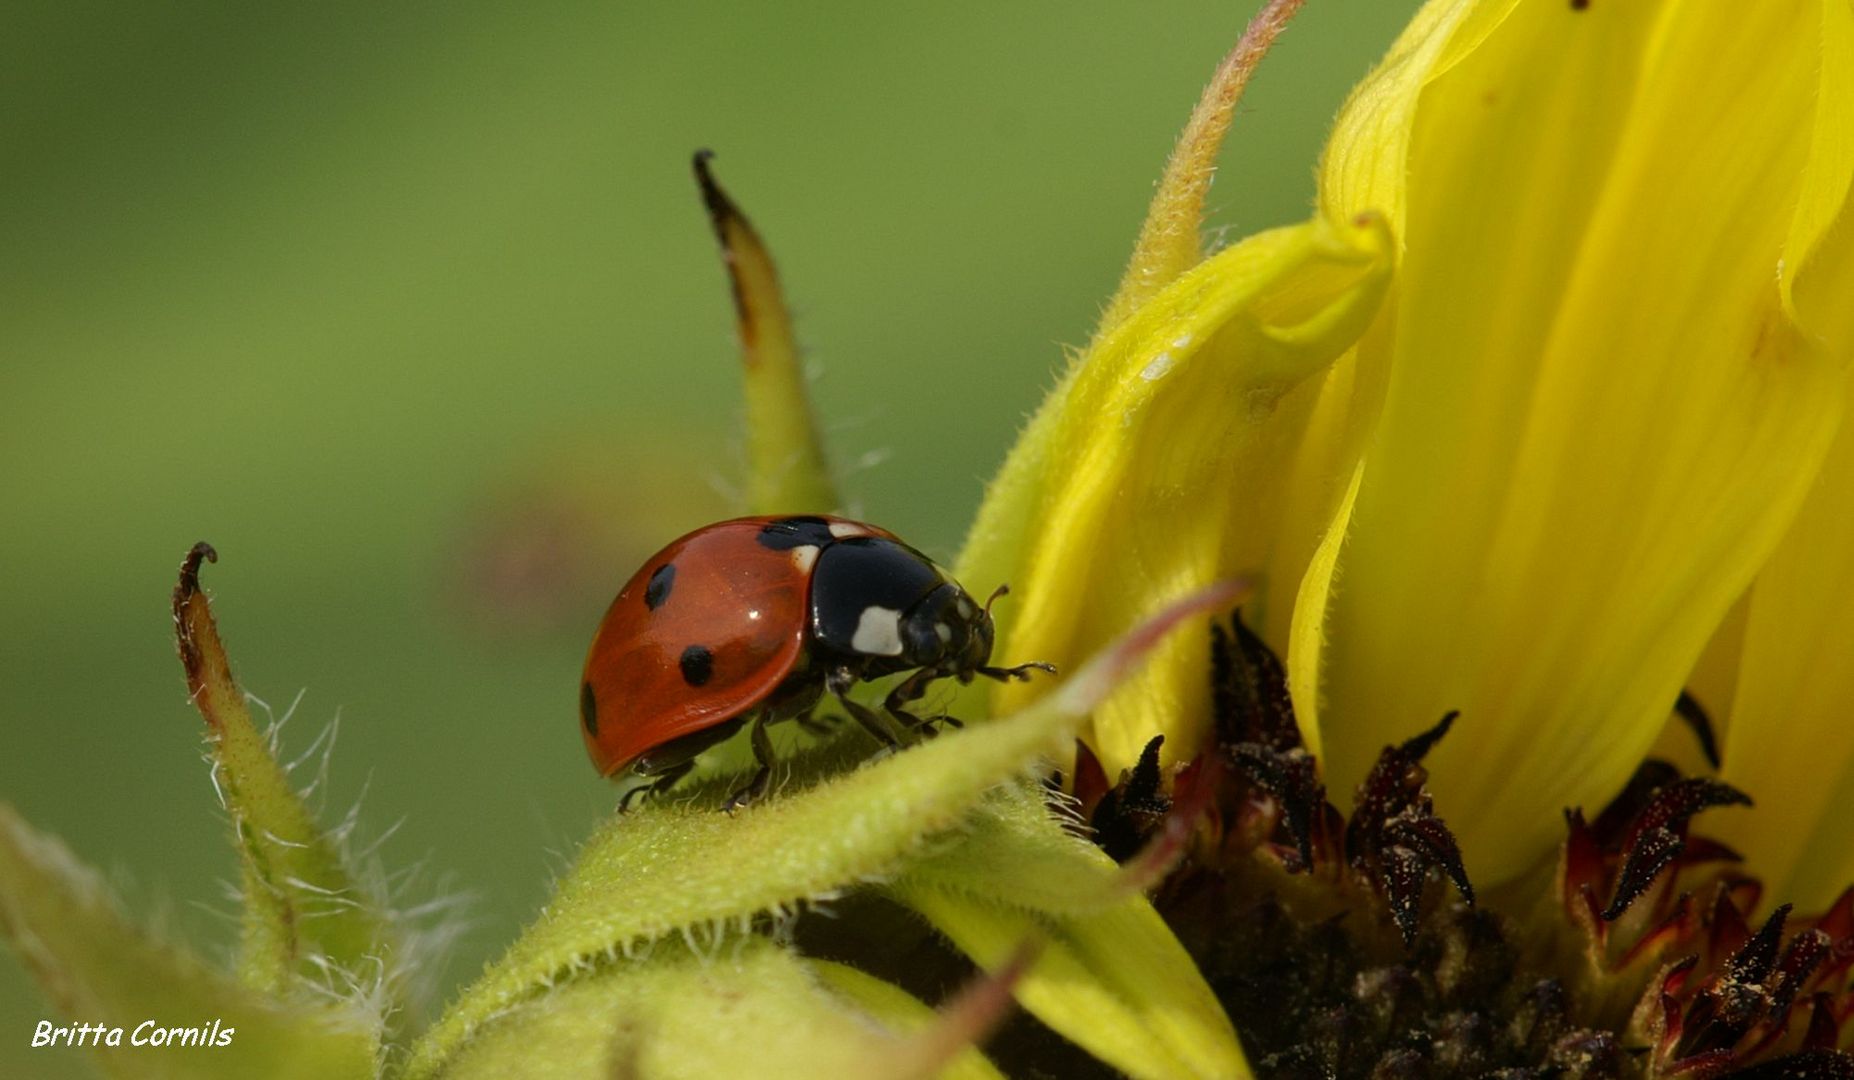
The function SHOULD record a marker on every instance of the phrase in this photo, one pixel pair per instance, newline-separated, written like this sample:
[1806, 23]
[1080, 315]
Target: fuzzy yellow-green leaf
[303, 909]
[1013, 848]
[751, 1008]
[1017, 867]
[674, 869]
[1156, 466]
[787, 471]
[1114, 981]
[95, 967]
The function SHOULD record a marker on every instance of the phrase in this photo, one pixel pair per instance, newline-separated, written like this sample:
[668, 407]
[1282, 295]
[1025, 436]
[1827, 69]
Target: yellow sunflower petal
[1600, 417]
[1153, 471]
[1787, 740]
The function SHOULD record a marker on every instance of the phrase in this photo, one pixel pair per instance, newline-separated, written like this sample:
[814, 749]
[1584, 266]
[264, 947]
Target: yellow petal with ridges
[1189, 406]
[1816, 267]
[1789, 688]
[1599, 419]
[1363, 168]
[1789, 738]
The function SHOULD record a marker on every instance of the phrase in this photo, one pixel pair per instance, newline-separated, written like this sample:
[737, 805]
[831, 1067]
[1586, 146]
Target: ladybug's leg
[636, 794]
[839, 682]
[1021, 672]
[762, 753]
[816, 725]
[661, 784]
[909, 690]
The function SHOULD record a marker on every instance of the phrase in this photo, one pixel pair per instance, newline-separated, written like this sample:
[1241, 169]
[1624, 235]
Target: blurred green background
[412, 311]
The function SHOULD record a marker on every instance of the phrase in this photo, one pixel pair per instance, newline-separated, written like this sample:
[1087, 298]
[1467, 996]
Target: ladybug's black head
[947, 631]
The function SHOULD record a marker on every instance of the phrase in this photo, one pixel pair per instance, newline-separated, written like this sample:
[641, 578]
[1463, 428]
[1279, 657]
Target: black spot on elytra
[589, 709]
[660, 585]
[698, 665]
[788, 533]
[1579, 5]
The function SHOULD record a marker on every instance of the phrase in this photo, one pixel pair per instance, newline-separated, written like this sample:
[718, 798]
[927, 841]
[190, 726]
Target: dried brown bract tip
[196, 637]
[787, 466]
[735, 233]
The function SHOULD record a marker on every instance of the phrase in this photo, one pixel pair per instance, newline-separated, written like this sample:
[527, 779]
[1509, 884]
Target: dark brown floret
[1394, 836]
[1659, 834]
[1282, 900]
[1130, 812]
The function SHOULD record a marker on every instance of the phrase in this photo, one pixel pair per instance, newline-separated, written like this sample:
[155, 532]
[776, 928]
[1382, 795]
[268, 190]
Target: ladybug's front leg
[762, 753]
[1020, 672]
[839, 682]
[910, 690]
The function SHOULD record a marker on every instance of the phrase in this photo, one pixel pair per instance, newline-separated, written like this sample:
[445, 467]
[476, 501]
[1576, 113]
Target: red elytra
[754, 619]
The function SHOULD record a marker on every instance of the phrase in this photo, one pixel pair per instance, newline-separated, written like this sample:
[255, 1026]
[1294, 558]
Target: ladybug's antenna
[1002, 590]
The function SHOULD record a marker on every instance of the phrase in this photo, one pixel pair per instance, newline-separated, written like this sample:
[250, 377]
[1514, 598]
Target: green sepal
[787, 469]
[97, 967]
[303, 911]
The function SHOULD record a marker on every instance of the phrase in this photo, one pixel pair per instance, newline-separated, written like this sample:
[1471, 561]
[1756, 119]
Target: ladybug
[753, 621]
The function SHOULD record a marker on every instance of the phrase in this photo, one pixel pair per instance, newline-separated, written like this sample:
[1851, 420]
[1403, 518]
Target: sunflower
[1530, 435]
[1420, 573]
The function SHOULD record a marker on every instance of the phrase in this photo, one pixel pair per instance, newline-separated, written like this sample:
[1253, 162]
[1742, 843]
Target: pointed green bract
[96, 967]
[303, 910]
[787, 469]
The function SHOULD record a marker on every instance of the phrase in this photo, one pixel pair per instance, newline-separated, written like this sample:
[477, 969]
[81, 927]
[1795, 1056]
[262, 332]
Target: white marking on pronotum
[967, 608]
[842, 529]
[1182, 341]
[803, 556]
[878, 632]
[943, 632]
[1156, 370]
